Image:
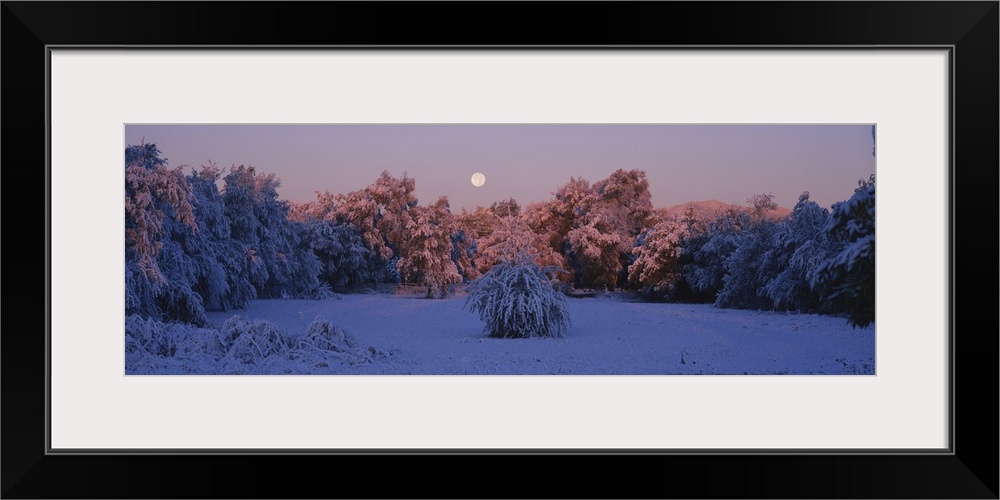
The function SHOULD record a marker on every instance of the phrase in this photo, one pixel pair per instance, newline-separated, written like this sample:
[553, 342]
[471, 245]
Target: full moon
[478, 179]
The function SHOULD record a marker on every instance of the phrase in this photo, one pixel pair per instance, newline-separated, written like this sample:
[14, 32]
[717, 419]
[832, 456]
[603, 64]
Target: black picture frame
[969, 28]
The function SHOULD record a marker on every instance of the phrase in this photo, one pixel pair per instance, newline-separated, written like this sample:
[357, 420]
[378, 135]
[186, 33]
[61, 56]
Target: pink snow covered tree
[381, 211]
[657, 266]
[626, 192]
[605, 222]
[425, 252]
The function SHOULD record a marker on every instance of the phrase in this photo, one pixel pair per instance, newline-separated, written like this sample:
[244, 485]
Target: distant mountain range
[710, 208]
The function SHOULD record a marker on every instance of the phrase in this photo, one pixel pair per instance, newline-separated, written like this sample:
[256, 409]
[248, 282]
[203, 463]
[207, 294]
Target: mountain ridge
[708, 209]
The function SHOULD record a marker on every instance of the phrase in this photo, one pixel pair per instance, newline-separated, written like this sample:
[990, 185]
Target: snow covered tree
[845, 280]
[554, 218]
[506, 208]
[761, 205]
[594, 227]
[463, 252]
[425, 251]
[742, 284]
[200, 265]
[158, 204]
[343, 232]
[596, 250]
[509, 238]
[473, 242]
[799, 245]
[380, 211]
[395, 200]
[478, 223]
[663, 255]
[727, 258]
[410, 239]
[278, 264]
[241, 199]
[154, 193]
[657, 267]
[711, 249]
[627, 193]
[320, 209]
[621, 211]
[211, 248]
[345, 260]
[516, 299]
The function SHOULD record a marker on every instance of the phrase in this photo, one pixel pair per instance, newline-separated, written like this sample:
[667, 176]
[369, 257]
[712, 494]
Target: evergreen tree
[799, 246]
[158, 204]
[846, 278]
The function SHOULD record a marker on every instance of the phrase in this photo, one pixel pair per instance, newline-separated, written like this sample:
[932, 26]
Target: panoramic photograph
[499, 249]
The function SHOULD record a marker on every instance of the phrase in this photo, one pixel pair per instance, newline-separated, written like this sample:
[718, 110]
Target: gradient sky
[528, 162]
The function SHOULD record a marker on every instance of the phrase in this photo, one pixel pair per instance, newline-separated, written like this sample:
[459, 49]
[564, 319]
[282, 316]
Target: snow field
[608, 335]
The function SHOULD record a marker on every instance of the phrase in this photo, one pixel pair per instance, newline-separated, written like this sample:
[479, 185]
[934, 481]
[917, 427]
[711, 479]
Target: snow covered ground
[609, 335]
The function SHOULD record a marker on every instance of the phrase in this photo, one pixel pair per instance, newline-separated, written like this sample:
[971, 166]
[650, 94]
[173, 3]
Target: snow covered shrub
[316, 291]
[147, 342]
[323, 341]
[152, 346]
[324, 335]
[517, 299]
[250, 343]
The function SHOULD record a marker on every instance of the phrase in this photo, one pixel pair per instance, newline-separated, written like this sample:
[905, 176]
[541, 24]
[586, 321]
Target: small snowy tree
[516, 299]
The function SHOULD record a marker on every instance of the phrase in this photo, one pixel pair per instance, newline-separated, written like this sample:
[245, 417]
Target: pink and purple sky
[528, 162]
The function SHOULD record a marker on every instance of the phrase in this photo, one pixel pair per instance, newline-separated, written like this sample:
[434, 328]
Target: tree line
[191, 245]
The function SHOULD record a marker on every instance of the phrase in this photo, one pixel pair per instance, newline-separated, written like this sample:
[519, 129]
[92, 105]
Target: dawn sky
[528, 162]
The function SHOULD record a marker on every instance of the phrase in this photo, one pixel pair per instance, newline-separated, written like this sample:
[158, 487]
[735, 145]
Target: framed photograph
[846, 404]
[476, 234]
